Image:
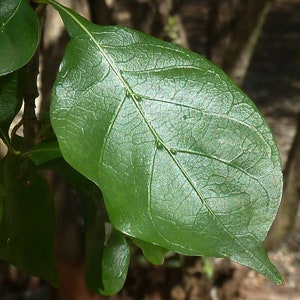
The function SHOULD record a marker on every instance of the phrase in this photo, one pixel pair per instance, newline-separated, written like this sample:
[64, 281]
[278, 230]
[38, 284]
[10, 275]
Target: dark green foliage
[19, 34]
[28, 222]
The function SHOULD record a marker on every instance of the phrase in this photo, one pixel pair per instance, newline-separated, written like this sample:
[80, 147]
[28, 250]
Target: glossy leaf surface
[11, 86]
[152, 253]
[19, 34]
[28, 222]
[182, 156]
[115, 263]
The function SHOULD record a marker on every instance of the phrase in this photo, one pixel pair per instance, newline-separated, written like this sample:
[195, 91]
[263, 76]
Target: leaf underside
[182, 156]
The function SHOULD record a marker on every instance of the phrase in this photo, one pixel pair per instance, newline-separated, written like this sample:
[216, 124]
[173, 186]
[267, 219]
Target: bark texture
[287, 214]
[233, 32]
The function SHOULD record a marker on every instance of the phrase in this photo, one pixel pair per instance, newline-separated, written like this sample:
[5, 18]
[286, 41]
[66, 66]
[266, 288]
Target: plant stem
[30, 123]
[30, 94]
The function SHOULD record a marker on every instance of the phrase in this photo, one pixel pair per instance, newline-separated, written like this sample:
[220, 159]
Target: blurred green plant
[172, 31]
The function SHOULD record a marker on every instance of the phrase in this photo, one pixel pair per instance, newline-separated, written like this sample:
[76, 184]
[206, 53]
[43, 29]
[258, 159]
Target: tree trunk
[100, 13]
[152, 17]
[234, 30]
[286, 217]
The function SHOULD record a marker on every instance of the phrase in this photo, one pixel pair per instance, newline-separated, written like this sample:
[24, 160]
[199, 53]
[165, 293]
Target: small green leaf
[153, 253]
[115, 262]
[44, 152]
[11, 87]
[182, 156]
[28, 222]
[19, 34]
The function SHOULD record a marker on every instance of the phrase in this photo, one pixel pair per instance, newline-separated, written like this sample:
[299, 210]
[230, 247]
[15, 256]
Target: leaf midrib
[154, 133]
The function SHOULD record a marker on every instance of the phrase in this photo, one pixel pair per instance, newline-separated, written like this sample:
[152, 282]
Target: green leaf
[183, 157]
[19, 34]
[115, 262]
[28, 223]
[44, 152]
[153, 253]
[11, 87]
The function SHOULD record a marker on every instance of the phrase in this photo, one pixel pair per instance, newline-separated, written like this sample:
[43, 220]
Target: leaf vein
[106, 137]
[226, 163]
[216, 115]
[211, 212]
[11, 16]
